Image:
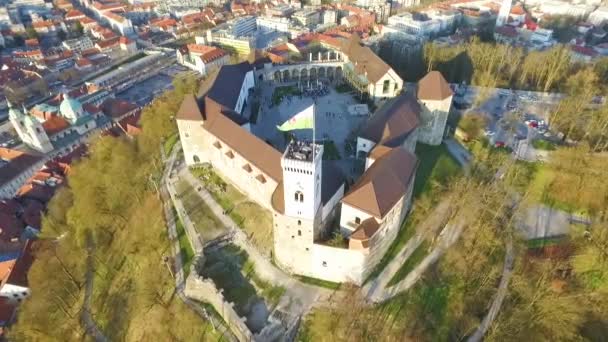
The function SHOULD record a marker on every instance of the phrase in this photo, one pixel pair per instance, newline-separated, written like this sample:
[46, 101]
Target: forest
[103, 239]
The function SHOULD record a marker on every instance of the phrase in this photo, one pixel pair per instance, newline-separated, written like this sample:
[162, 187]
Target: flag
[303, 120]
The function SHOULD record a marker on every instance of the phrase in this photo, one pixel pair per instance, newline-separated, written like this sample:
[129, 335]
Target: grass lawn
[170, 142]
[204, 220]
[410, 263]
[546, 241]
[436, 167]
[253, 219]
[542, 144]
[539, 191]
[319, 282]
[185, 248]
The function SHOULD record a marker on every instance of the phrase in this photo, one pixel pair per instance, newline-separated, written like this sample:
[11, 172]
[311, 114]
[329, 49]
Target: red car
[533, 124]
[499, 144]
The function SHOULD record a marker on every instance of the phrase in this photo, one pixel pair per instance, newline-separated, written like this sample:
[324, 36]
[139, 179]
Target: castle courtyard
[332, 119]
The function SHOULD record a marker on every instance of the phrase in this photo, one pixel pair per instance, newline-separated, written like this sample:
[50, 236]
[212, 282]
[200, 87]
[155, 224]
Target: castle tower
[302, 179]
[29, 129]
[295, 230]
[435, 96]
[503, 14]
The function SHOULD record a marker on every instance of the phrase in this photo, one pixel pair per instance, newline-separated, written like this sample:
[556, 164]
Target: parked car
[499, 144]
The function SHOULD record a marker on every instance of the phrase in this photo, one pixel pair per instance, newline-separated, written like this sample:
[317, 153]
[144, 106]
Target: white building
[329, 17]
[78, 44]
[243, 26]
[306, 17]
[418, 25]
[202, 58]
[273, 24]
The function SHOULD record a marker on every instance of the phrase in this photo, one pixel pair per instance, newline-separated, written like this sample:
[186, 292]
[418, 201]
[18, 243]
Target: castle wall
[348, 219]
[199, 148]
[293, 241]
[433, 117]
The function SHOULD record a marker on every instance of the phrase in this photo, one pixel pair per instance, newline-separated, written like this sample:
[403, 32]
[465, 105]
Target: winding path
[435, 220]
[86, 317]
[500, 295]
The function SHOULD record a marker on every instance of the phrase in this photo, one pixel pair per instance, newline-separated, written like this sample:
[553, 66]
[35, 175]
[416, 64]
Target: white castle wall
[197, 142]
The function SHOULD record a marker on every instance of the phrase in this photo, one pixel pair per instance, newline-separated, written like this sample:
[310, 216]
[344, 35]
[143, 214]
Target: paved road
[375, 288]
[303, 297]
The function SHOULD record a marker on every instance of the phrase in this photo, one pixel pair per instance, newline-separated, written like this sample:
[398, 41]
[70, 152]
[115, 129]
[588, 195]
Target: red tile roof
[55, 124]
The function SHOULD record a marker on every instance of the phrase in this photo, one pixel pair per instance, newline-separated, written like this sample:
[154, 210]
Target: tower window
[299, 223]
[357, 220]
[299, 233]
[324, 264]
[298, 196]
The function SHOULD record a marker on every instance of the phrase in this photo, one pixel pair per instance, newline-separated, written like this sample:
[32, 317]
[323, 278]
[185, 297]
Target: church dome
[70, 108]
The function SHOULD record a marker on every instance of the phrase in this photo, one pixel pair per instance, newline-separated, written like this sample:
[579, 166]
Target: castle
[307, 195]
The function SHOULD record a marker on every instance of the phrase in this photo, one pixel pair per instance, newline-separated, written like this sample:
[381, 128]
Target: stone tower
[296, 228]
[30, 130]
[435, 96]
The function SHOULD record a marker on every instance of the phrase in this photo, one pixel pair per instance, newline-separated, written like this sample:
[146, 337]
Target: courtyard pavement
[332, 120]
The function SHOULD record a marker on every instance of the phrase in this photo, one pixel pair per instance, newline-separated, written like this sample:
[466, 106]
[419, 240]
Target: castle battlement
[299, 155]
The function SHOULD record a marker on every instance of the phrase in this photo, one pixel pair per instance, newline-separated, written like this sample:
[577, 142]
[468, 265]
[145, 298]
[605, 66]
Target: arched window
[196, 159]
[299, 233]
[298, 196]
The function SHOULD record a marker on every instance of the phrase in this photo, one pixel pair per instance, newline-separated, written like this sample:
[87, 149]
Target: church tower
[29, 129]
[298, 226]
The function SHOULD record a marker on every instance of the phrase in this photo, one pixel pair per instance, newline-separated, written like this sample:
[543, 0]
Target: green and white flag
[303, 120]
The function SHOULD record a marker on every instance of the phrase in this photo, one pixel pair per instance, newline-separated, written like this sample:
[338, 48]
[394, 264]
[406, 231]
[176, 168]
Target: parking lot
[514, 118]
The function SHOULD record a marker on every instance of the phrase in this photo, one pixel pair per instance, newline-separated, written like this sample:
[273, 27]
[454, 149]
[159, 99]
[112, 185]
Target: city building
[57, 129]
[306, 17]
[243, 26]
[78, 44]
[272, 24]
[202, 58]
[15, 168]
